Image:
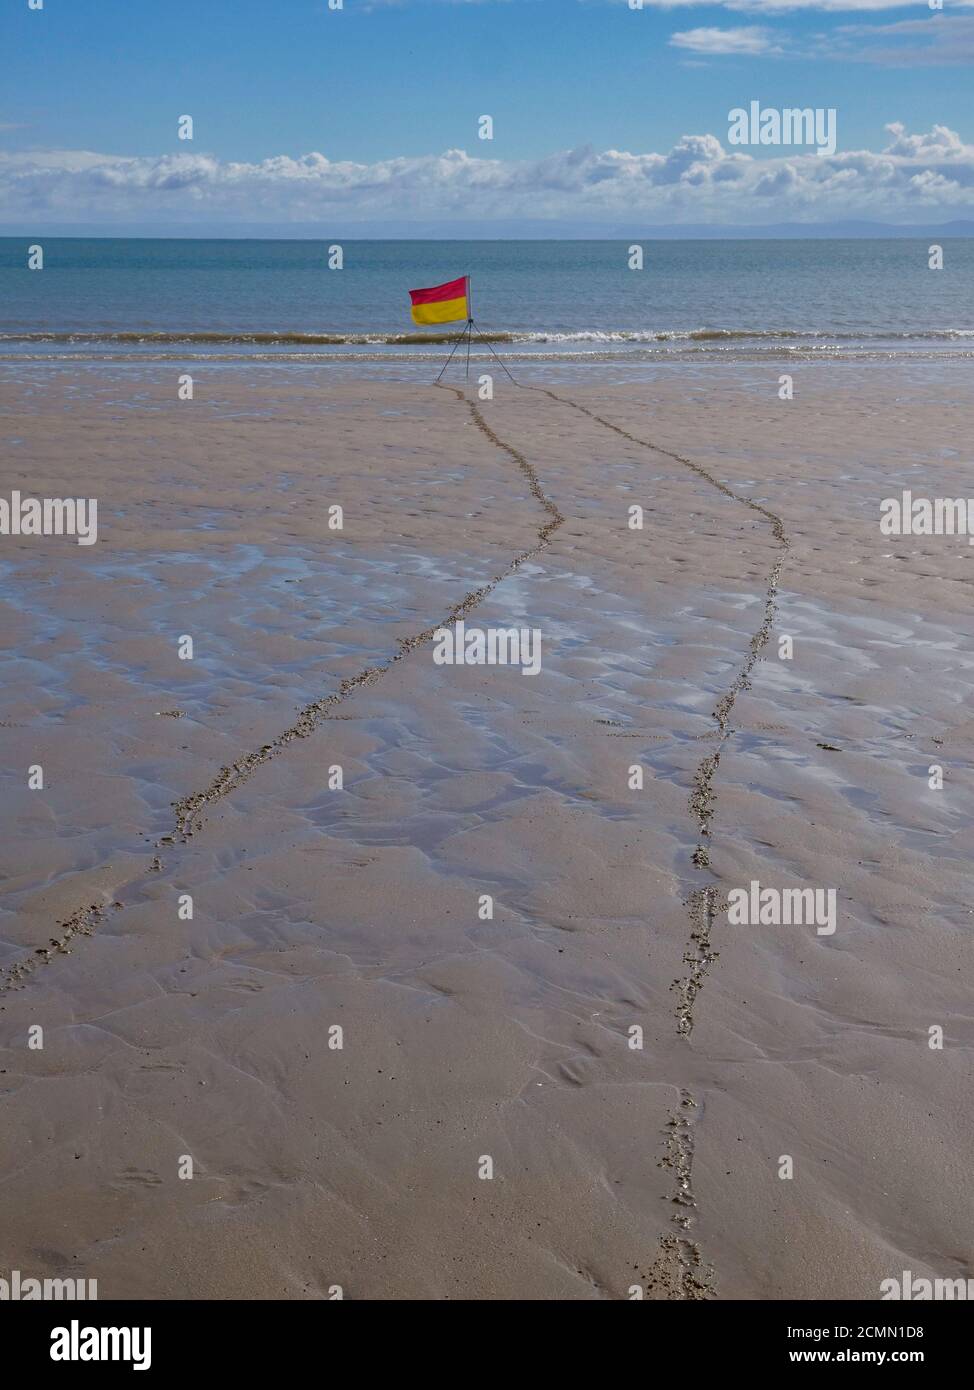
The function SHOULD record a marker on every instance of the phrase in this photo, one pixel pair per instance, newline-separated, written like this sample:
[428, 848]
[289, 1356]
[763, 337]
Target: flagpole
[472, 327]
[469, 324]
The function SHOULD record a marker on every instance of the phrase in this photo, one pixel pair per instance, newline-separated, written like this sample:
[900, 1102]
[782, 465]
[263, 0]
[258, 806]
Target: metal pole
[469, 324]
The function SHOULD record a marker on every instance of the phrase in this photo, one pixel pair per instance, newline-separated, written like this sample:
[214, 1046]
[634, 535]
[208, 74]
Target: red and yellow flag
[442, 303]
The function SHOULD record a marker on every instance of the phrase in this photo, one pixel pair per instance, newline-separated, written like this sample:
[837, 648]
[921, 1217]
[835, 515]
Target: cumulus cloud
[697, 180]
[937, 143]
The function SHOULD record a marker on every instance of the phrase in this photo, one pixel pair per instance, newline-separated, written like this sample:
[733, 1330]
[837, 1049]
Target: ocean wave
[703, 335]
[594, 336]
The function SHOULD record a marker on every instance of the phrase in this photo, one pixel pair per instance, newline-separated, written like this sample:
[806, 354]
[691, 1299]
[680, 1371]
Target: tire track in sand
[679, 1271]
[189, 810]
[702, 905]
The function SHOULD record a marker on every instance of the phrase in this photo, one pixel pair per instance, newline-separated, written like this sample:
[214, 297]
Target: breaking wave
[595, 336]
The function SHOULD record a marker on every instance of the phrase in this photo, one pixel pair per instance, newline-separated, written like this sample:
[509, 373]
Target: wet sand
[212, 1037]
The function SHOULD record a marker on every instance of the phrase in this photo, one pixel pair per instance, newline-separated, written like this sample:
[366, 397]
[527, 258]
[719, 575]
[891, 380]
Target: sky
[602, 110]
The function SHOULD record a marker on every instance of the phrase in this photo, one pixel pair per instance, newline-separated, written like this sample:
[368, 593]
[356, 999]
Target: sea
[129, 300]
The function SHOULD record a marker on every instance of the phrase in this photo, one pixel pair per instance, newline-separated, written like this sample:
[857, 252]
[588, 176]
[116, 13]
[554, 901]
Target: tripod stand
[467, 337]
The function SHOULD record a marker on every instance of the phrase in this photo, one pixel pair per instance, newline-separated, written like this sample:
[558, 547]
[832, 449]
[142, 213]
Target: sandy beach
[191, 911]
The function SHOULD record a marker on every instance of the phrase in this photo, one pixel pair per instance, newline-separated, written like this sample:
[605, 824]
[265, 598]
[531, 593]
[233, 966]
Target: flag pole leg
[490, 347]
[469, 336]
[449, 359]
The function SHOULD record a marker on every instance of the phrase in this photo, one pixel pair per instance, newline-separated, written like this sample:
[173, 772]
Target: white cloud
[748, 39]
[697, 180]
[938, 41]
[935, 144]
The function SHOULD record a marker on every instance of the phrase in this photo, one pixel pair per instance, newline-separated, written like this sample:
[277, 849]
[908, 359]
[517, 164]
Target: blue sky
[407, 79]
